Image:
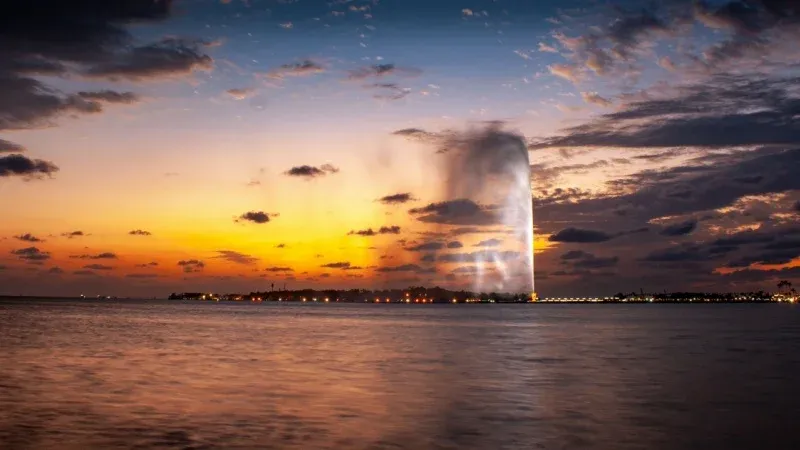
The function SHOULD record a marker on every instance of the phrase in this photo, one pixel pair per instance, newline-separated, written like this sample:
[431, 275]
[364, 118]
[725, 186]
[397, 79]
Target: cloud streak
[310, 172]
[392, 229]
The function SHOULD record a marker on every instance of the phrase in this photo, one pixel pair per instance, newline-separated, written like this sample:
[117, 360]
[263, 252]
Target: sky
[149, 147]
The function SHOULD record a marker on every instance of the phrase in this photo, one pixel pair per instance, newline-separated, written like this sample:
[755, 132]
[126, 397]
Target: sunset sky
[227, 145]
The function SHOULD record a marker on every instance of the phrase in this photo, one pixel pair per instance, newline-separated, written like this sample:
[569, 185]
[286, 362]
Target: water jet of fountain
[491, 168]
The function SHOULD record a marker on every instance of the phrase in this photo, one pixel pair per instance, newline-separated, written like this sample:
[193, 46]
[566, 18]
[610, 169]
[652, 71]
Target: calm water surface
[131, 374]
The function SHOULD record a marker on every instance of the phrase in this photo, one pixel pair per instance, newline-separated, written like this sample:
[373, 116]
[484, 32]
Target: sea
[129, 374]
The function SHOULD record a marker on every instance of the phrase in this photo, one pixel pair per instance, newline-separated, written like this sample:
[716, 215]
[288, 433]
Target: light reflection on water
[125, 374]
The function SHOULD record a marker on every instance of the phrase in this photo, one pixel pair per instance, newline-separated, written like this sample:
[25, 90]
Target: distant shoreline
[567, 302]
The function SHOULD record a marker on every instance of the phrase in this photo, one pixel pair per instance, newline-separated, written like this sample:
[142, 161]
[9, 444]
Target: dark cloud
[139, 233]
[627, 32]
[87, 38]
[401, 268]
[190, 262]
[755, 33]
[680, 254]
[167, 58]
[337, 265]
[748, 110]
[575, 254]
[767, 245]
[430, 257]
[381, 70]
[88, 273]
[735, 15]
[466, 230]
[10, 147]
[796, 206]
[27, 237]
[772, 257]
[146, 265]
[412, 132]
[301, 68]
[705, 183]
[55, 271]
[577, 235]
[311, 171]
[256, 217]
[680, 229]
[141, 275]
[98, 267]
[454, 244]
[393, 229]
[612, 49]
[756, 28]
[279, 269]
[583, 264]
[426, 247]
[19, 165]
[31, 254]
[236, 257]
[396, 199]
[457, 212]
[192, 265]
[104, 255]
[596, 263]
[72, 234]
[489, 243]
[29, 103]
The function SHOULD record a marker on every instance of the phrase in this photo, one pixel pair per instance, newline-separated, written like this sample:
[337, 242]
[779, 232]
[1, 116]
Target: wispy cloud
[381, 70]
[98, 267]
[27, 237]
[192, 265]
[237, 257]
[397, 199]
[298, 69]
[240, 93]
[393, 229]
[104, 255]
